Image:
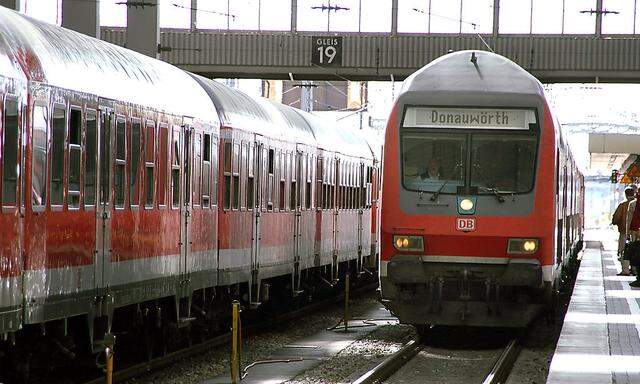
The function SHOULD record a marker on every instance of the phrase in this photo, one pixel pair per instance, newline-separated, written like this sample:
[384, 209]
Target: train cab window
[226, 194]
[134, 182]
[10, 150]
[250, 178]
[236, 176]
[39, 157]
[90, 173]
[176, 162]
[121, 162]
[214, 177]
[163, 160]
[206, 171]
[58, 127]
[75, 154]
[149, 163]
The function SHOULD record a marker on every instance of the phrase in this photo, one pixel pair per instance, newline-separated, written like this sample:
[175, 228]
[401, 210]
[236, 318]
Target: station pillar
[82, 16]
[16, 5]
[143, 27]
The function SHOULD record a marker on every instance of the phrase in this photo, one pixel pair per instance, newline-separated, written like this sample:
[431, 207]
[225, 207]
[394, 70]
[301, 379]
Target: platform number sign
[327, 51]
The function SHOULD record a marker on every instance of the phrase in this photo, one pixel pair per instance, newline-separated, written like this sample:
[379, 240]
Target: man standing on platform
[619, 219]
[633, 232]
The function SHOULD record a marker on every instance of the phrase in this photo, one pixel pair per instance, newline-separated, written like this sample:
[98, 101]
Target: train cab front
[465, 240]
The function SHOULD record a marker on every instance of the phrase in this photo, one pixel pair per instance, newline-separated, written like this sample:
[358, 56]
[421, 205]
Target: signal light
[522, 246]
[408, 243]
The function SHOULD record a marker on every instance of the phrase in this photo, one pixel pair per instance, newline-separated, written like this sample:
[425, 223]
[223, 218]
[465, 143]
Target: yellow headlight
[529, 246]
[408, 243]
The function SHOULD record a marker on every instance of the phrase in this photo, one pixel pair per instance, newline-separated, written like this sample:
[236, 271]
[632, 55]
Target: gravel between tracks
[256, 346]
[358, 357]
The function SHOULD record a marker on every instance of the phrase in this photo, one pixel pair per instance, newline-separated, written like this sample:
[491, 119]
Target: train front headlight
[408, 243]
[520, 246]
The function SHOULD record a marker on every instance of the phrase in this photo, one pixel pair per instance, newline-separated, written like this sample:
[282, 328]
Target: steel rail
[502, 367]
[391, 364]
[155, 364]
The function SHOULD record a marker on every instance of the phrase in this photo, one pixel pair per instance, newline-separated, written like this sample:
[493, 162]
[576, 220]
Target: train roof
[456, 72]
[66, 59]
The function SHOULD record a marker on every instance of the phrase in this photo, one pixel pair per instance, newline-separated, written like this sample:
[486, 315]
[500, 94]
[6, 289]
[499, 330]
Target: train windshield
[434, 161]
[510, 172]
[469, 150]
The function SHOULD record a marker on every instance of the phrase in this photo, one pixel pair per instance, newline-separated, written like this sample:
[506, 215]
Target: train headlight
[520, 246]
[408, 243]
[466, 205]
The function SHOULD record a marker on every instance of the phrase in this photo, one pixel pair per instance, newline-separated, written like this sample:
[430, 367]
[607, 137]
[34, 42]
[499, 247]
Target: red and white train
[132, 188]
[482, 201]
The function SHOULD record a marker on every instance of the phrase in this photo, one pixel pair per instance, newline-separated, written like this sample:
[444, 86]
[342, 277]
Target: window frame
[95, 113]
[78, 147]
[43, 206]
[117, 162]
[154, 173]
[19, 153]
[51, 145]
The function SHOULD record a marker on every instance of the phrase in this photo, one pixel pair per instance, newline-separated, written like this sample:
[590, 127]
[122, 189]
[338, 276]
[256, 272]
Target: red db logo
[465, 224]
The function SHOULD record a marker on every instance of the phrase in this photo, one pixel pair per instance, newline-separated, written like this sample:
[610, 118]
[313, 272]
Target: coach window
[59, 124]
[270, 182]
[196, 192]
[206, 171]
[149, 163]
[10, 150]
[90, 159]
[121, 162]
[39, 157]
[176, 160]
[319, 203]
[75, 154]
[242, 188]
[134, 182]
[309, 174]
[235, 183]
[227, 176]
[293, 192]
[282, 171]
[214, 165]
[163, 160]
[250, 178]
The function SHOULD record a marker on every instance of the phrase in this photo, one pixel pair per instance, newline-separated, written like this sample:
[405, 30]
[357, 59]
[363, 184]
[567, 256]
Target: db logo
[465, 224]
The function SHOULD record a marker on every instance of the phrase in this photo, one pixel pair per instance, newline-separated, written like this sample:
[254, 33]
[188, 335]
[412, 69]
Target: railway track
[498, 374]
[135, 370]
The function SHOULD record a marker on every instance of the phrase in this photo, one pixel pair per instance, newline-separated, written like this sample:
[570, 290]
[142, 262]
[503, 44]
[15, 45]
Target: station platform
[600, 338]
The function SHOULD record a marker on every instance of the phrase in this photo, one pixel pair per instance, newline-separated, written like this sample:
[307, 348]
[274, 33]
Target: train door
[185, 203]
[261, 180]
[359, 187]
[104, 206]
[300, 177]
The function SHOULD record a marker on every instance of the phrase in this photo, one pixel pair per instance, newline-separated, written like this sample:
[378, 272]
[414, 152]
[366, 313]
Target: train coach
[482, 201]
[131, 189]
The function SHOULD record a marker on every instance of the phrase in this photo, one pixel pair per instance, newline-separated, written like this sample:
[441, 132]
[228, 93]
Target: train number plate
[465, 224]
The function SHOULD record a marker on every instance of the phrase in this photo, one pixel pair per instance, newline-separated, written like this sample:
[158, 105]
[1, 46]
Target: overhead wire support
[136, 4]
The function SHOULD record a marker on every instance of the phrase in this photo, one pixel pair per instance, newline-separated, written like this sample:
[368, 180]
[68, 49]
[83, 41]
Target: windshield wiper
[434, 197]
[491, 189]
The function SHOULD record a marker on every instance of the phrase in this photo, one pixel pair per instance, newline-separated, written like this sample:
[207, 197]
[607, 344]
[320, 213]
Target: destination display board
[468, 118]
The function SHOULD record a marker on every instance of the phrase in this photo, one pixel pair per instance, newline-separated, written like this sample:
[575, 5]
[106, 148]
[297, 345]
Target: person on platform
[633, 230]
[619, 219]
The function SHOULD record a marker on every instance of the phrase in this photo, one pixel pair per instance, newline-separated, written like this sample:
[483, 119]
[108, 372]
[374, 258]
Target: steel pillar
[143, 28]
[82, 16]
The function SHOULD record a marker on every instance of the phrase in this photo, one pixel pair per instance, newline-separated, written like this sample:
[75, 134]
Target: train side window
[235, 183]
[242, 189]
[75, 154]
[319, 202]
[39, 157]
[282, 172]
[90, 170]
[293, 191]
[176, 161]
[270, 181]
[134, 173]
[206, 171]
[10, 150]
[149, 163]
[196, 192]
[308, 190]
[163, 160]
[215, 154]
[227, 176]
[58, 127]
[121, 162]
[250, 178]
